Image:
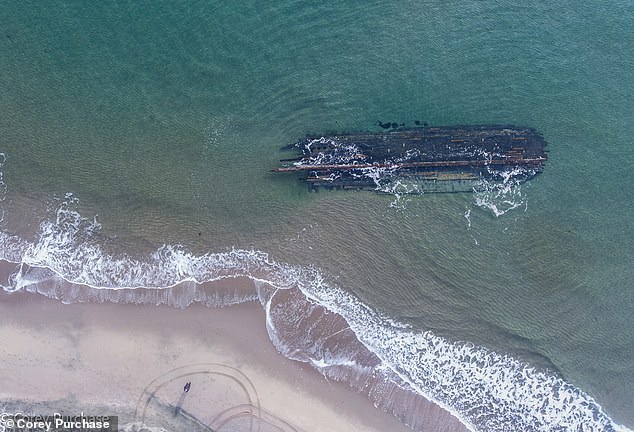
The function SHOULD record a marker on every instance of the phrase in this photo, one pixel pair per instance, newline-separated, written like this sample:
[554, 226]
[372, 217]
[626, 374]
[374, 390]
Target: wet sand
[138, 357]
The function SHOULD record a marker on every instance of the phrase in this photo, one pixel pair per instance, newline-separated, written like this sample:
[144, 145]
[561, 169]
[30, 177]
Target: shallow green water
[165, 118]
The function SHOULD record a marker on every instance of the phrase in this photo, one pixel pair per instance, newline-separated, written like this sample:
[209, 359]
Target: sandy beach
[136, 359]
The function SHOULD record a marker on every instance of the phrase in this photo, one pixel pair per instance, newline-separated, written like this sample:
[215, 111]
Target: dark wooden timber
[463, 154]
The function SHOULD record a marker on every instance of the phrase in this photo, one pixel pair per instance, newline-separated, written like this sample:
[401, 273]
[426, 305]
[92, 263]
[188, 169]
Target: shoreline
[57, 352]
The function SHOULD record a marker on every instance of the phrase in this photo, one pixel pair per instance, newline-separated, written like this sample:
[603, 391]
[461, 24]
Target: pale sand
[106, 355]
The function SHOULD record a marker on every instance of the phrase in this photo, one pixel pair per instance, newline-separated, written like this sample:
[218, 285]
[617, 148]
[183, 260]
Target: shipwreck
[421, 159]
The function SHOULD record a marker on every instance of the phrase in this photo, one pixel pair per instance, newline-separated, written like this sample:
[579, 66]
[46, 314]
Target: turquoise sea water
[164, 119]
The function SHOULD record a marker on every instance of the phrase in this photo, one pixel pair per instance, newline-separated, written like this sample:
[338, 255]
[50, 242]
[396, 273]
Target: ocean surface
[137, 140]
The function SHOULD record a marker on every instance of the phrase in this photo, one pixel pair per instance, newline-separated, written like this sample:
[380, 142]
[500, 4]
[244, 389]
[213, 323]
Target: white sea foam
[338, 153]
[487, 390]
[467, 216]
[503, 191]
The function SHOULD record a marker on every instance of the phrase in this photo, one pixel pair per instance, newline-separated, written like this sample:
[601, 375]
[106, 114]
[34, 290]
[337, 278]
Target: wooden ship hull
[421, 159]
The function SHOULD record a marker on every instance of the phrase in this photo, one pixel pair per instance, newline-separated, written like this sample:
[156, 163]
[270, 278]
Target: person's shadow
[181, 399]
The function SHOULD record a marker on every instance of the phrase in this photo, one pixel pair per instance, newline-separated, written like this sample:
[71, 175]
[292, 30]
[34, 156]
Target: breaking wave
[311, 320]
